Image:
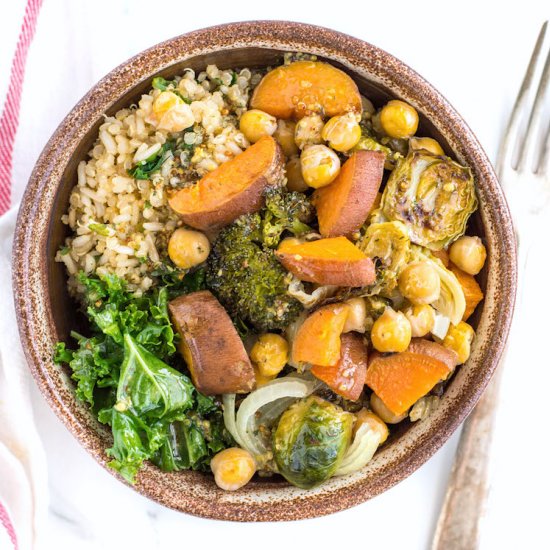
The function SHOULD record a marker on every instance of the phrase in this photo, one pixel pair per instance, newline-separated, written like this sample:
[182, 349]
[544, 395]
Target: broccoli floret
[285, 211]
[248, 279]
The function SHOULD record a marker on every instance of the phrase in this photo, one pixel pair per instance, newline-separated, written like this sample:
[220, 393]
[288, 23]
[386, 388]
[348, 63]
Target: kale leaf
[127, 370]
[144, 169]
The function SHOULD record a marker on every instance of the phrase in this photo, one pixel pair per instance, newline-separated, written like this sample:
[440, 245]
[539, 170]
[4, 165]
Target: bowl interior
[46, 313]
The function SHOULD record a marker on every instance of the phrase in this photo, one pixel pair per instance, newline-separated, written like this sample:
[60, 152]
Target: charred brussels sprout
[432, 195]
[389, 245]
[311, 440]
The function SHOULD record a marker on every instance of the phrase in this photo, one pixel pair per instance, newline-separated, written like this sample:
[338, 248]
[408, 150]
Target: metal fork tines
[523, 168]
[525, 148]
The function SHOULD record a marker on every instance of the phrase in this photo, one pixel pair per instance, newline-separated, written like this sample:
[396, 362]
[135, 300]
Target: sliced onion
[308, 300]
[246, 422]
[271, 412]
[360, 452]
[229, 416]
[441, 326]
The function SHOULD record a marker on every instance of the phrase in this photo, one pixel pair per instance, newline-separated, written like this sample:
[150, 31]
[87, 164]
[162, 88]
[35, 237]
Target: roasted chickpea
[420, 283]
[364, 416]
[320, 165]
[391, 332]
[270, 354]
[284, 134]
[295, 179]
[261, 380]
[357, 315]
[188, 248]
[426, 143]
[422, 319]
[255, 124]
[308, 131]
[469, 254]
[459, 338]
[232, 468]
[172, 113]
[399, 119]
[367, 106]
[378, 406]
[342, 132]
[164, 101]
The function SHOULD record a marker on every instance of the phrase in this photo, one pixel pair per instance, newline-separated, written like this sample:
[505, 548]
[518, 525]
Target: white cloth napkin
[23, 474]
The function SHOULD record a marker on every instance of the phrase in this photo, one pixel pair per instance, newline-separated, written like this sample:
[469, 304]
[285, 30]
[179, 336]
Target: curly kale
[248, 279]
[285, 212]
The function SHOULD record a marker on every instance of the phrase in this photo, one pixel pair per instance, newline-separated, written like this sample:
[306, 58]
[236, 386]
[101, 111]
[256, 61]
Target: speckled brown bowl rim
[195, 493]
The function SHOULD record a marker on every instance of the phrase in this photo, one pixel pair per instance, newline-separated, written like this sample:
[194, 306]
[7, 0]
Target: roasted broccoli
[248, 279]
[285, 211]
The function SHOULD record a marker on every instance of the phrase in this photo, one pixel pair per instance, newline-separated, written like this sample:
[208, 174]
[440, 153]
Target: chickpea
[422, 319]
[420, 283]
[284, 134]
[342, 132]
[188, 248]
[164, 102]
[232, 468]
[261, 380]
[357, 315]
[270, 354]
[469, 254]
[308, 131]
[320, 165]
[367, 106]
[364, 416]
[426, 143]
[255, 124]
[378, 406]
[459, 338]
[391, 331]
[295, 179]
[399, 119]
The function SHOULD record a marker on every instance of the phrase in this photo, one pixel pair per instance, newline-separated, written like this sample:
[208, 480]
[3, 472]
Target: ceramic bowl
[46, 313]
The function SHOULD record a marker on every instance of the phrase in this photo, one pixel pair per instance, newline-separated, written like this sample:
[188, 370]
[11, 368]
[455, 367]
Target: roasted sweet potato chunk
[335, 261]
[401, 379]
[317, 341]
[210, 345]
[233, 189]
[306, 87]
[472, 291]
[344, 205]
[347, 377]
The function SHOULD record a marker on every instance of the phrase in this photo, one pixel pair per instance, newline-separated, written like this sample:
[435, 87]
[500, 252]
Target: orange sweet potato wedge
[212, 348]
[472, 291]
[233, 189]
[434, 350]
[317, 341]
[335, 261]
[344, 205]
[347, 377]
[401, 379]
[305, 87]
[442, 255]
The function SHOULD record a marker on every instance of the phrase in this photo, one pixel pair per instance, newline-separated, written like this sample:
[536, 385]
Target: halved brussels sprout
[311, 439]
[432, 195]
[389, 243]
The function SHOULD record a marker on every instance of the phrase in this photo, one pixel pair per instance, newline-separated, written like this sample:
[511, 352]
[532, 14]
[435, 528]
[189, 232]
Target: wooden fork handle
[458, 526]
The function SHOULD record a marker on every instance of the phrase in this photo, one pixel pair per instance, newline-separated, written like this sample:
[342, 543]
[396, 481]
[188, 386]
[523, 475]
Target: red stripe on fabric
[6, 522]
[10, 114]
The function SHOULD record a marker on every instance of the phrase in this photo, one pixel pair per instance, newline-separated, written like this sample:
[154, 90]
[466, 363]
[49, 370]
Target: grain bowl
[115, 184]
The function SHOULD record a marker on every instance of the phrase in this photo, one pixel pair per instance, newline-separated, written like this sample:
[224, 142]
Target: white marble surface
[475, 54]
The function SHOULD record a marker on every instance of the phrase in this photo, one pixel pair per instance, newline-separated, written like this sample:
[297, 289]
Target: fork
[523, 163]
